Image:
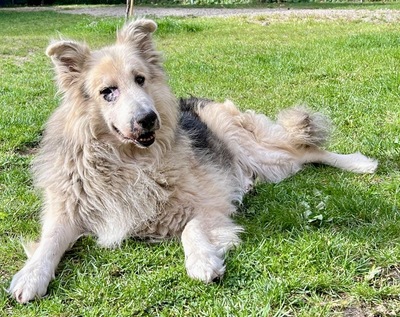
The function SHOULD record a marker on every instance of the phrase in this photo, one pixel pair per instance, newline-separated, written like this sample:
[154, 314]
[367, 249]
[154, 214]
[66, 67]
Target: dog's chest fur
[116, 199]
[127, 197]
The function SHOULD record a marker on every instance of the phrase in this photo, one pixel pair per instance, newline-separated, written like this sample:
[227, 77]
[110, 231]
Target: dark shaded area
[11, 3]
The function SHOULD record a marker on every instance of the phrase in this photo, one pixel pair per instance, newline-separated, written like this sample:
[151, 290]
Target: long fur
[121, 157]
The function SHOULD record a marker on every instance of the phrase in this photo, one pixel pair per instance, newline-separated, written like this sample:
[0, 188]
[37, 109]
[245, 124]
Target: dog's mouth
[144, 139]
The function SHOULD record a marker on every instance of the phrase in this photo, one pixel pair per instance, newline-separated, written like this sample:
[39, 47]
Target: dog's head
[119, 81]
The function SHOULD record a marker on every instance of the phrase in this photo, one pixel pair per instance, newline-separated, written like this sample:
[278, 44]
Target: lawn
[322, 243]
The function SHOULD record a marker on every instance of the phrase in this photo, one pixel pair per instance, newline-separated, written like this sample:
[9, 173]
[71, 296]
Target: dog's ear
[68, 58]
[138, 34]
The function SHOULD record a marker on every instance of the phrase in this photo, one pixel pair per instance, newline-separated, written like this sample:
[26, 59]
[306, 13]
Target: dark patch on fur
[190, 121]
[205, 143]
[191, 104]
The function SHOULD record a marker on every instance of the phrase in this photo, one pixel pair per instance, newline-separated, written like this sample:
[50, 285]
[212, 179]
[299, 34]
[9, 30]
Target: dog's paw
[363, 164]
[29, 283]
[205, 267]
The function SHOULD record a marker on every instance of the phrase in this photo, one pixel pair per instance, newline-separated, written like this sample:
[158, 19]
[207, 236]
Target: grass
[322, 243]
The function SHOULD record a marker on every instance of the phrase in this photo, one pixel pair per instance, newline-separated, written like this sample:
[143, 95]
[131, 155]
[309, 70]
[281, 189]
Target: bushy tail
[304, 127]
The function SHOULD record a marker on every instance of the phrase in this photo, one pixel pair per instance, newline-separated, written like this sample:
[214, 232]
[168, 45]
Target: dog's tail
[304, 127]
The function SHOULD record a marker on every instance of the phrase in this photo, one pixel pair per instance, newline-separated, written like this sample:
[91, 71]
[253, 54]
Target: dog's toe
[205, 267]
[29, 284]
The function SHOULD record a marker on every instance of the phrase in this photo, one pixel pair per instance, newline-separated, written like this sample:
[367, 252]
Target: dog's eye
[109, 93]
[139, 80]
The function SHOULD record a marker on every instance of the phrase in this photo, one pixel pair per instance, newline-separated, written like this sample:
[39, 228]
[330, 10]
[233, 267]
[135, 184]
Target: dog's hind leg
[355, 162]
[262, 148]
[274, 151]
[205, 241]
[58, 233]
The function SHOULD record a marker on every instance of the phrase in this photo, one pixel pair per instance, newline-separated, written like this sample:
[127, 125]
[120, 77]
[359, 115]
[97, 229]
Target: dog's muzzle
[143, 128]
[148, 120]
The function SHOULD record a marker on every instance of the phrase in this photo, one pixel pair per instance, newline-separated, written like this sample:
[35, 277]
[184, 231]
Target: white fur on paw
[29, 283]
[204, 266]
[363, 164]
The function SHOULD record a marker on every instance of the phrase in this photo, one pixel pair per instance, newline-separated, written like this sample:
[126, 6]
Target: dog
[122, 157]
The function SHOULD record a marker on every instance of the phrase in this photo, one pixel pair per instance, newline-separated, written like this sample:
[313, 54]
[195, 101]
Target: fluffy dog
[121, 157]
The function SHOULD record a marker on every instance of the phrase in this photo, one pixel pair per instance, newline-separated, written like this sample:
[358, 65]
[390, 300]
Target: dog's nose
[148, 120]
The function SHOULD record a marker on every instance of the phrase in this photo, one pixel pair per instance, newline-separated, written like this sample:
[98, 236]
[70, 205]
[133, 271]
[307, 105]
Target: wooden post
[129, 9]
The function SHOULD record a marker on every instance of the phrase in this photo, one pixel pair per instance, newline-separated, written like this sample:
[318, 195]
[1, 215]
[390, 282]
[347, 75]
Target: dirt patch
[353, 312]
[27, 151]
[389, 303]
[383, 277]
[387, 309]
[28, 148]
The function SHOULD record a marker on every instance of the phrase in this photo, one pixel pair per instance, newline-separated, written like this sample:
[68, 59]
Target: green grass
[322, 243]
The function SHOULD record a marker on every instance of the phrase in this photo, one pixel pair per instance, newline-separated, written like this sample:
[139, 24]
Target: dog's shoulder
[205, 142]
[191, 123]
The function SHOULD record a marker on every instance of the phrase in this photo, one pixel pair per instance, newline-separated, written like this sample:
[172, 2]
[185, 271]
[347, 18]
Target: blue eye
[109, 93]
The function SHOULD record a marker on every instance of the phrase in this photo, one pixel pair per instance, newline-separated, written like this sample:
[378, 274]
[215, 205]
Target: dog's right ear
[69, 59]
[138, 34]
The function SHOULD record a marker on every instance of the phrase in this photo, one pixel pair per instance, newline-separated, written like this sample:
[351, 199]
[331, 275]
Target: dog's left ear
[138, 34]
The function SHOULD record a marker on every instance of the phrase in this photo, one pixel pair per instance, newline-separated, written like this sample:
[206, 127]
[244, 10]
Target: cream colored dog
[122, 157]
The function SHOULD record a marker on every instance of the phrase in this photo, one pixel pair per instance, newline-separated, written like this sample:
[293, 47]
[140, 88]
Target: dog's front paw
[204, 267]
[29, 283]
